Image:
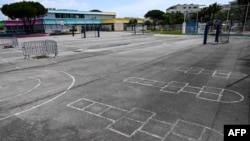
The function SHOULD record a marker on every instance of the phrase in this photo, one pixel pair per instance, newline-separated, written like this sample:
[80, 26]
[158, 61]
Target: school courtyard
[124, 87]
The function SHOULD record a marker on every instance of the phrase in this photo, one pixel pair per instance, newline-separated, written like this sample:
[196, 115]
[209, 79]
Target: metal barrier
[9, 41]
[39, 48]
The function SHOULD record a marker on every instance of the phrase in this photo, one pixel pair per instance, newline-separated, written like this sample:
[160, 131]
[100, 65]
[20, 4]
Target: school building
[60, 20]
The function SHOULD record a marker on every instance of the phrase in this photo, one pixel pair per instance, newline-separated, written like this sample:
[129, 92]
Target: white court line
[63, 93]
[95, 102]
[46, 102]
[28, 91]
[202, 89]
[221, 90]
[141, 79]
[6, 61]
[105, 104]
[214, 73]
[170, 131]
[139, 129]
[145, 132]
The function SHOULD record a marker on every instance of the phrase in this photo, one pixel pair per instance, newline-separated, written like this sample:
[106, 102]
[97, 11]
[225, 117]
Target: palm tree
[213, 9]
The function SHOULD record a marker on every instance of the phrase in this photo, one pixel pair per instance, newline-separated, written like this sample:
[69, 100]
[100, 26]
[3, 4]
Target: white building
[183, 8]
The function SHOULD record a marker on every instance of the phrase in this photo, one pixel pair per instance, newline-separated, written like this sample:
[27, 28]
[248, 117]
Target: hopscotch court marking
[138, 120]
[204, 93]
[213, 73]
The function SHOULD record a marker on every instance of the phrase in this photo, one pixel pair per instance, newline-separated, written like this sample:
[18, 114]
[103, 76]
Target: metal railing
[39, 48]
[9, 41]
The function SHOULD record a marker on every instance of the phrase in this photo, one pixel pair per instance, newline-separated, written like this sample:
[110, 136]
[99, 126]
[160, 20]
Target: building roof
[68, 11]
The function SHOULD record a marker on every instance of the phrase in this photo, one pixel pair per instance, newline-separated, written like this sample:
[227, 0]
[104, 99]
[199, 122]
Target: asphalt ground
[124, 87]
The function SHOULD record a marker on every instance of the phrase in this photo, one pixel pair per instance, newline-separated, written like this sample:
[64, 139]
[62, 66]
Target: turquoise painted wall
[72, 21]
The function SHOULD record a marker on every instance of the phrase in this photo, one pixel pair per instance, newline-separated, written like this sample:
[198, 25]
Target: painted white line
[118, 132]
[170, 131]
[241, 97]
[153, 135]
[37, 106]
[105, 104]
[99, 116]
[18, 67]
[63, 93]
[105, 110]
[69, 105]
[28, 91]
[212, 88]
[188, 70]
[4, 60]
[202, 134]
[88, 106]
[204, 89]
[139, 129]
[213, 73]
[145, 122]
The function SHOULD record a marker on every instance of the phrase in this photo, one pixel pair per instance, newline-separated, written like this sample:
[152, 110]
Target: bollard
[98, 32]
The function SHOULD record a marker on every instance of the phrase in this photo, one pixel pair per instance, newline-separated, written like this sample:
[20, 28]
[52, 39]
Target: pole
[196, 28]
[98, 31]
[228, 12]
[205, 34]
[217, 33]
[245, 18]
[184, 24]
[84, 33]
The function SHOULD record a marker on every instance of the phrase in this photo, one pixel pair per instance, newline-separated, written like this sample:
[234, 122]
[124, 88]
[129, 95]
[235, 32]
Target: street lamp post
[245, 18]
[184, 23]
[197, 15]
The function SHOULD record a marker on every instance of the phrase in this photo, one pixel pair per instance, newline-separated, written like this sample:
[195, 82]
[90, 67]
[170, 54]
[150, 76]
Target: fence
[39, 48]
[9, 41]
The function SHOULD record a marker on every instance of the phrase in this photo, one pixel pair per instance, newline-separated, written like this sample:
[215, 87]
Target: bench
[8, 42]
[39, 48]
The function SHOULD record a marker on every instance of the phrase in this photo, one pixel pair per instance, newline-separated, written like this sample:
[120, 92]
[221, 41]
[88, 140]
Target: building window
[59, 15]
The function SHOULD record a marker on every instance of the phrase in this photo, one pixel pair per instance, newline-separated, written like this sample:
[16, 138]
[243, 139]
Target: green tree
[212, 10]
[1, 25]
[203, 15]
[166, 20]
[133, 23]
[178, 18]
[27, 11]
[148, 23]
[155, 15]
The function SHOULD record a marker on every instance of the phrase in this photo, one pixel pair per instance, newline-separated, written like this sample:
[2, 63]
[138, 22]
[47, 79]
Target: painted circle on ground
[17, 88]
[28, 90]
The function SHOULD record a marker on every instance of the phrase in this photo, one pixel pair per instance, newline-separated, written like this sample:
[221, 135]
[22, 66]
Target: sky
[123, 8]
